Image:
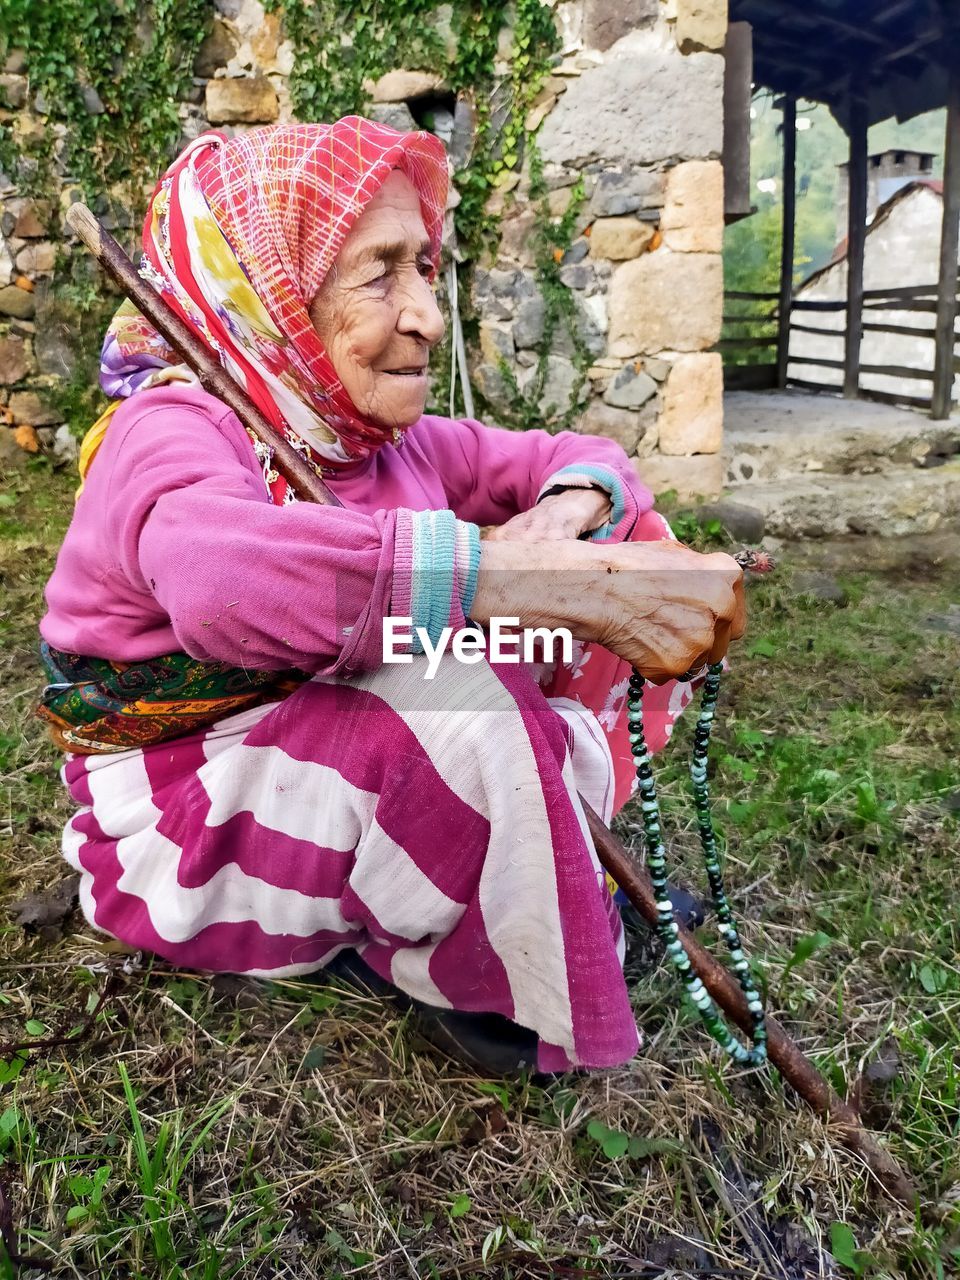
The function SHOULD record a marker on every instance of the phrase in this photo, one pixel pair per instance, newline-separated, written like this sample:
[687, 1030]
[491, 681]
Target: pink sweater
[176, 546]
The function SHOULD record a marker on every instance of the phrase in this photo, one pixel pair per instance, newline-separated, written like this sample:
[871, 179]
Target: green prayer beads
[711, 1016]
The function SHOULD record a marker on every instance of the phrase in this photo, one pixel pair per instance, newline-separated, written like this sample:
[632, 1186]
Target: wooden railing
[919, 301]
[749, 341]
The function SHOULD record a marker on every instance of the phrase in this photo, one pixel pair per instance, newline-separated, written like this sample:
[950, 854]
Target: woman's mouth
[417, 371]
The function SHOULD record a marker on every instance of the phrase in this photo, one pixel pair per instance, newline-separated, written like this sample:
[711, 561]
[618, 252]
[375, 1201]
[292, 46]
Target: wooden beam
[787, 50]
[805, 24]
[882, 397]
[932, 35]
[949, 247]
[805, 385]
[815, 304]
[894, 397]
[811, 24]
[822, 361]
[905, 330]
[749, 377]
[888, 11]
[737, 93]
[856, 237]
[788, 233]
[906, 371]
[906, 291]
[781, 64]
[881, 370]
[738, 344]
[907, 304]
[809, 328]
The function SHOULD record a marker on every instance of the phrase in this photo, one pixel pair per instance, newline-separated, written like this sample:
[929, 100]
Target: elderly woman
[257, 790]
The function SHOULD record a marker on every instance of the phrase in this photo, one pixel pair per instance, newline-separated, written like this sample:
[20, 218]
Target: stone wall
[633, 104]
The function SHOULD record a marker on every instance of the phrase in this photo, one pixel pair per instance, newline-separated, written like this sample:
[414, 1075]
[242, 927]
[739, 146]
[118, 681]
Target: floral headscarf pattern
[239, 236]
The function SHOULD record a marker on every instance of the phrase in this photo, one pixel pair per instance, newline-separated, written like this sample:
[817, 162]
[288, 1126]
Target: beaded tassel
[712, 1018]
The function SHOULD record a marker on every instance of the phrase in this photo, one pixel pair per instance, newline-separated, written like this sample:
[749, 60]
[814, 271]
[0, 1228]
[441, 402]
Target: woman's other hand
[668, 610]
[556, 517]
[658, 605]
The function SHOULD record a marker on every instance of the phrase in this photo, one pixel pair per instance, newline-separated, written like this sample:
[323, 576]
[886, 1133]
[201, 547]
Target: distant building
[887, 173]
[902, 249]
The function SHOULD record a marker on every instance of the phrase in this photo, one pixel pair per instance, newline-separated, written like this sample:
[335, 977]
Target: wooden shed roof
[896, 53]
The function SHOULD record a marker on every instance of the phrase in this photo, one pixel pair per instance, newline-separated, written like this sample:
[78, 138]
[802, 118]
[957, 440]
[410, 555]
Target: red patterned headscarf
[239, 236]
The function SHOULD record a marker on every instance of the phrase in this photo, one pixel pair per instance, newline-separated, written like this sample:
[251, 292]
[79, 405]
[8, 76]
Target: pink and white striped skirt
[433, 826]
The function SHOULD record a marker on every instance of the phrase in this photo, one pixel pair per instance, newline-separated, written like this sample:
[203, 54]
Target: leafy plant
[162, 1165]
[843, 1246]
[113, 72]
[515, 1232]
[108, 77]
[461, 1206]
[615, 1144]
[689, 528]
[13, 1129]
[806, 946]
[336, 58]
[762, 647]
[11, 1068]
[87, 1190]
[329, 71]
[495, 1089]
[551, 239]
[933, 978]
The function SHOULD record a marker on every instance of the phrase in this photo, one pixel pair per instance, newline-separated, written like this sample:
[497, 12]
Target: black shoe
[487, 1043]
[687, 908]
[644, 948]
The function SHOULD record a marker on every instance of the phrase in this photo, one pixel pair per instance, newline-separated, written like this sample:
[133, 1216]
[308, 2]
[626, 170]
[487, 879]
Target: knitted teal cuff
[436, 562]
[624, 508]
[468, 563]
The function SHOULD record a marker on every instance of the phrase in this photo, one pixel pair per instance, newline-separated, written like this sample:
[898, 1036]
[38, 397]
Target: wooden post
[856, 235]
[788, 105]
[943, 370]
[737, 92]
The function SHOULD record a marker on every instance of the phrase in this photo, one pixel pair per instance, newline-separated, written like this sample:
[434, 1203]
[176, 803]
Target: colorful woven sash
[93, 705]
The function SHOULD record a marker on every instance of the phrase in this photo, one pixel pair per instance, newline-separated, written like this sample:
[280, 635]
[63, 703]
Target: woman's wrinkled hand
[668, 610]
[661, 607]
[555, 518]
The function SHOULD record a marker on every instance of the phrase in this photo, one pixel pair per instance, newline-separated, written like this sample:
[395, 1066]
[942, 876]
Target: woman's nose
[420, 313]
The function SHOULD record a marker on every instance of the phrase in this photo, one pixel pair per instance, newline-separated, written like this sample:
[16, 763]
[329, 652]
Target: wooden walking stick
[793, 1065]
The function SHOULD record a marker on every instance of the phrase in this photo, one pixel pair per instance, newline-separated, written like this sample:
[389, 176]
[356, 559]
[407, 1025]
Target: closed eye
[377, 273]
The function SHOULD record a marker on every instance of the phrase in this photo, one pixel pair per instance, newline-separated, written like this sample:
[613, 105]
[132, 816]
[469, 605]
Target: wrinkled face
[376, 313]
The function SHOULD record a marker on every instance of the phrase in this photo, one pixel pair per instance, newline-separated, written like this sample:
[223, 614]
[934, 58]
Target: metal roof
[896, 53]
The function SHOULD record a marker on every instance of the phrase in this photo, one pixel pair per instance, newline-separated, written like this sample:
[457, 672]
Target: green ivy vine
[106, 77]
[340, 46]
[551, 238]
[113, 72]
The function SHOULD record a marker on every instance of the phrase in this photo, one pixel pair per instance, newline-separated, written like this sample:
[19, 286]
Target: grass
[218, 1127]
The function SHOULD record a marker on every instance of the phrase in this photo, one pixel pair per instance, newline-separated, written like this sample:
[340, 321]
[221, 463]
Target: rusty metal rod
[795, 1068]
